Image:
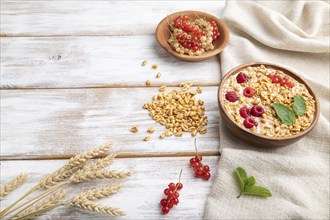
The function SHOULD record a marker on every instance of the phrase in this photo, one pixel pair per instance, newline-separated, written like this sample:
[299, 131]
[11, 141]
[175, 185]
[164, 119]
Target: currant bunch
[283, 81]
[172, 196]
[192, 37]
[201, 170]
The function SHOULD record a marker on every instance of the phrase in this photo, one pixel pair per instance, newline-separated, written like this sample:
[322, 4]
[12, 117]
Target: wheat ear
[97, 193]
[83, 157]
[13, 184]
[39, 207]
[74, 164]
[95, 207]
[62, 173]
[102, 174]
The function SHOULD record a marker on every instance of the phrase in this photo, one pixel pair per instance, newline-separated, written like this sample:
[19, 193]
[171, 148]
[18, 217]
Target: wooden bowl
[256, 139]
[163, 34]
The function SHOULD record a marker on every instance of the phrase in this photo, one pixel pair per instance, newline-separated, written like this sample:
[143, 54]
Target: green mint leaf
[285, 113]
[251, 182]
[248, 185]
[257, 191]
[242, 177]
[299, 105]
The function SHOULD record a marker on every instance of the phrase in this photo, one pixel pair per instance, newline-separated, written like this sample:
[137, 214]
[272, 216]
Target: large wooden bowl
[163, 34]
[256, 139]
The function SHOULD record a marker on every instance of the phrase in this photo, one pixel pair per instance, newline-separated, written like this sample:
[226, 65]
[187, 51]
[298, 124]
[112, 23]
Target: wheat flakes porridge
[250, 98]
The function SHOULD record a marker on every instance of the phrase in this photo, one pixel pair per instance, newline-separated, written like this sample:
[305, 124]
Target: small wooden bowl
[256, 139]
[163, 34]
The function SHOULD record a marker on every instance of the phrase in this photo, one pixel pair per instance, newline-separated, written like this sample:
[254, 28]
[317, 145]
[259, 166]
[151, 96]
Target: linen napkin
[294, 34]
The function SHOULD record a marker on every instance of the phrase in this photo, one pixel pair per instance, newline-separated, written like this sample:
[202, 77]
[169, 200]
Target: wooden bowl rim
[206, 55]
[287, 71]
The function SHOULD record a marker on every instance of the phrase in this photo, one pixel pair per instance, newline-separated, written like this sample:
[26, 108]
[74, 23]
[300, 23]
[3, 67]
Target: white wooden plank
[49, 18]
[58, 122]
[63, 62]
[141, 193]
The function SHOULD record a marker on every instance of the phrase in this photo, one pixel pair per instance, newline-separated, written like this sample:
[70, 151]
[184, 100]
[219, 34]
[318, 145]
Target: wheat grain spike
[41, 206]
[95, 207]
[98, 192]
[83, 157]
[102, 174]
[13, 184]
[72, 166]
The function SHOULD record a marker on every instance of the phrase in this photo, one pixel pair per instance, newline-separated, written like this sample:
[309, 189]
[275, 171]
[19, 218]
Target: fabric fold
[293, 34]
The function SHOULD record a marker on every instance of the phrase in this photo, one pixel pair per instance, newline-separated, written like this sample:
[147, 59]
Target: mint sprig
[299, 105]
[285, 113]
[288, 115]
[248, 186]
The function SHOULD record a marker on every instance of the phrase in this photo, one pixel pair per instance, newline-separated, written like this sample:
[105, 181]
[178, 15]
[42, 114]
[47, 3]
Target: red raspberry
[242, 78]
[248, 92]
[244, 112]
[231, 96]
[250, 122]
[257, 110]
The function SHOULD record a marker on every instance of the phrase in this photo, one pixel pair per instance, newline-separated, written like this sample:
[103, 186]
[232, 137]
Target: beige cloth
[294, 34]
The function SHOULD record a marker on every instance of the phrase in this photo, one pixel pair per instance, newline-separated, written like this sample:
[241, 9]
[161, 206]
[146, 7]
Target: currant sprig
[201, 170]
[172, 196]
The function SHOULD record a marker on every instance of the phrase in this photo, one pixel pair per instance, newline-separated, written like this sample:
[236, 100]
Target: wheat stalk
[13, 184]
[102, 174]
[39, 207]
[97, 193]
[95, 207]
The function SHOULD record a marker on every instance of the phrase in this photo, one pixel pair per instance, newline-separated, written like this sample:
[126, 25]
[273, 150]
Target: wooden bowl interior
[163, 34]
[271, 142]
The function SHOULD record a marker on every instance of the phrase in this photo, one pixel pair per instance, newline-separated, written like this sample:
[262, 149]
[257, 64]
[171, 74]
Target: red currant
[171, 186]
[179, 186]
[207, 168]
[192, 161]
[276, 80]
[170, 205]
[176, 201]
[163, 202]
[166, 191]
[199, 171]
[206, 176]
[165, 210]
[290, 84]
[199, 158]
[176, 195]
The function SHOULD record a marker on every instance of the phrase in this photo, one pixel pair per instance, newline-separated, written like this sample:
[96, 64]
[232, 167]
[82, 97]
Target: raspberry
[241, 78]
[257, 110]
[248, 92]
[231, 96]
[244, 112]
[250, 122]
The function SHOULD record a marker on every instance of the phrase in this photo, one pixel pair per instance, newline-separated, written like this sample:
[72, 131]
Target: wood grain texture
[140, 194]
[73, 62]
[67, 18]
[60, 122]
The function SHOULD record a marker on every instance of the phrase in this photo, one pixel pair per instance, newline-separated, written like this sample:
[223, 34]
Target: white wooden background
[71, 79]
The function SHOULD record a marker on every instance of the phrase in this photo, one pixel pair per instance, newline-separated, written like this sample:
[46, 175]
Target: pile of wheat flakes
[178, 110]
